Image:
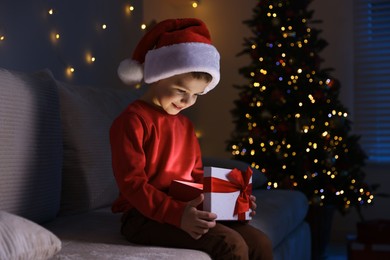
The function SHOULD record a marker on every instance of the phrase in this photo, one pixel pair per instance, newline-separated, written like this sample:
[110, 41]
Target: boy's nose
[185, 99]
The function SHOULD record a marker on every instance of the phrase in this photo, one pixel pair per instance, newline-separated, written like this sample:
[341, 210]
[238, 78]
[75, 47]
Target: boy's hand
[253, 205]
[196, 222]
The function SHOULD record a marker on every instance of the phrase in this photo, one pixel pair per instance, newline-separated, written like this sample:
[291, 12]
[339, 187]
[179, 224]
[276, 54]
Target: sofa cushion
[24, 239]
[87, 114]
[279, 212]
[96, 235]
[30, 145]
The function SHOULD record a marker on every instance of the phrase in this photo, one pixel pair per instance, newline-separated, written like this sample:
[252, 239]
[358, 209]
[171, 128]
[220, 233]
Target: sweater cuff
[175, 213]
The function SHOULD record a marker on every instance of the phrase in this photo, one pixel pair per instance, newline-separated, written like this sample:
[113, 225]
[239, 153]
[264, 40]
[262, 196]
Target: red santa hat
[172, 47]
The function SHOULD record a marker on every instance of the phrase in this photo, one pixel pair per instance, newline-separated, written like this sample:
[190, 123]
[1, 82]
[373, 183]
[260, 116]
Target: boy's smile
[175, 93]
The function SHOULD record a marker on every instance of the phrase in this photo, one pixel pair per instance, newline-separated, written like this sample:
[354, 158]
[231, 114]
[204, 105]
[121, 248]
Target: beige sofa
[56, 182]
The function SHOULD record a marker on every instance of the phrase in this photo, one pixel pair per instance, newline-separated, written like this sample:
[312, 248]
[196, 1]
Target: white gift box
[221, 202]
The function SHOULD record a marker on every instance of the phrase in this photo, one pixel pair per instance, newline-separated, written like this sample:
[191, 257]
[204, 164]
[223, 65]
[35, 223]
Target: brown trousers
[227, 240]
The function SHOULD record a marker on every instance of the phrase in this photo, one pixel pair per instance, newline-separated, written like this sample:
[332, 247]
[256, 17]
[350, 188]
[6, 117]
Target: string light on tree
[199, 134]
[289, 121]
[195, 4]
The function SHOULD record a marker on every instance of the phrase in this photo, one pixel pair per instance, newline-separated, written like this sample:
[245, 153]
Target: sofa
[57, 185]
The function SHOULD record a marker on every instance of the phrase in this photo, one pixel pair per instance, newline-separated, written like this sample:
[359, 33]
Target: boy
[153, 144]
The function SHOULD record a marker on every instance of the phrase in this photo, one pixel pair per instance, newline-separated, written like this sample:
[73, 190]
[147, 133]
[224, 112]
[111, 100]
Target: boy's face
[177, 93]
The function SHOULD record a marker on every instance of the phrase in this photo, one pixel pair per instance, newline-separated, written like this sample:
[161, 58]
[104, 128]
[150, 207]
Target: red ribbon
[238, 181]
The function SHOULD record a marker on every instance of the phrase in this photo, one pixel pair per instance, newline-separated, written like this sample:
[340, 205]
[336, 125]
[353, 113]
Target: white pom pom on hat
[172, 47]
[130, 71]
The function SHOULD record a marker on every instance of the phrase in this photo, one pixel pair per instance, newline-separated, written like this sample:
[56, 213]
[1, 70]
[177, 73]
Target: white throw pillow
[23, 239]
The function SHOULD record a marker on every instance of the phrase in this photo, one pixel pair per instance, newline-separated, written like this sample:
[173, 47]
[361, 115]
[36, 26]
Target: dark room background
[91, 37]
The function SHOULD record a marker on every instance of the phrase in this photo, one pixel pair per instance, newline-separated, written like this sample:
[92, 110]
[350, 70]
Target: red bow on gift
[241, 181]
[238, 180]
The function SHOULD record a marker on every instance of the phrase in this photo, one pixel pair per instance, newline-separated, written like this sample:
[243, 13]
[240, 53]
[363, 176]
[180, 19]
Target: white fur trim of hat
[172, 47]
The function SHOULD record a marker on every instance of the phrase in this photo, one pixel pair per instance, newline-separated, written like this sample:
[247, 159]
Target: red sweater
[150, 148]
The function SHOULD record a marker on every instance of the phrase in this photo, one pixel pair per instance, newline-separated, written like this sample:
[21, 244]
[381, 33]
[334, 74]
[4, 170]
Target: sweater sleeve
[128, 159]
[197, 172]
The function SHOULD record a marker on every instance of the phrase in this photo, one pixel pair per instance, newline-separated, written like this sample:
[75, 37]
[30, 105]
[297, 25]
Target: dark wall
[29, 30]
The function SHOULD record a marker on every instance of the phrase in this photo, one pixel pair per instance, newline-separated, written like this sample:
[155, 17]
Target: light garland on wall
[2, 36]
[55, 38]
[89, 57]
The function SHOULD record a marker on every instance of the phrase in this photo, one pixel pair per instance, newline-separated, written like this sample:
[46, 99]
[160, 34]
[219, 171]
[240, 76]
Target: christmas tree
[289, 122]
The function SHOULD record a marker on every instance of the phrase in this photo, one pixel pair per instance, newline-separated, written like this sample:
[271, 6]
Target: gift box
[226, 192]
[185, 190]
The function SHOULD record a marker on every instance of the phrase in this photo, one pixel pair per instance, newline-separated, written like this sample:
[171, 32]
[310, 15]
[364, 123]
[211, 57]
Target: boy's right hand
[197, 222]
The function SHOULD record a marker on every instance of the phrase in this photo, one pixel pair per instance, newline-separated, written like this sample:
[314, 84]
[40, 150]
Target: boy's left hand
[253, 205]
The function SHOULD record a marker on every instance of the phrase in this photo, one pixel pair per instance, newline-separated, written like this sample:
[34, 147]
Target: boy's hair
[202, 75]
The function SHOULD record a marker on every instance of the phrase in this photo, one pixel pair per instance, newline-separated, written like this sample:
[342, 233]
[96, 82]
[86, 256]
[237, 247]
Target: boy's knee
[232, 247]
[263, 250]
[240, 248]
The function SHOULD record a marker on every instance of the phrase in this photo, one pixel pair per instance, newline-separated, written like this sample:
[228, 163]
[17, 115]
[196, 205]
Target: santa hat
[172, 47]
